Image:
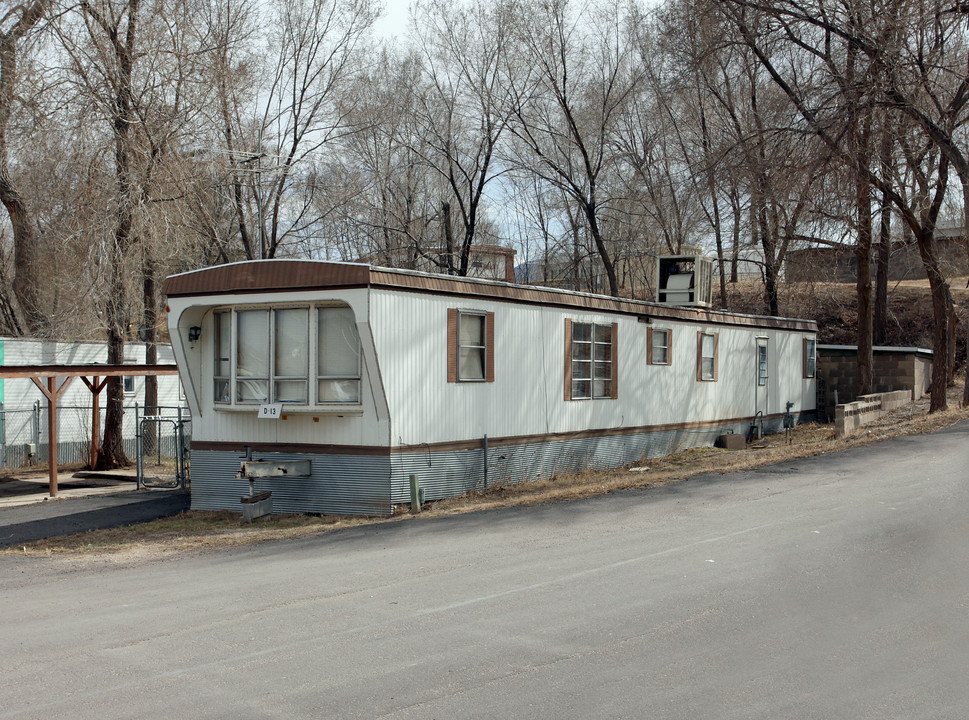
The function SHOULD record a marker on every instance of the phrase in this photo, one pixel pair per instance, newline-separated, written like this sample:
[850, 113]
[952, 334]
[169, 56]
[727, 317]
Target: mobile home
[375, 374]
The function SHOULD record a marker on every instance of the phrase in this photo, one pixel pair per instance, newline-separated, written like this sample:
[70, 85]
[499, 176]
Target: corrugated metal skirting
[449, 474]
[338, 485]
[373, 485]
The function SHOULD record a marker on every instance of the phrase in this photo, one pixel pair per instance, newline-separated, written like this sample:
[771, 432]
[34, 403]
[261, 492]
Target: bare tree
[586, 73]
[467, 105]
[852, 45]
[15, 24]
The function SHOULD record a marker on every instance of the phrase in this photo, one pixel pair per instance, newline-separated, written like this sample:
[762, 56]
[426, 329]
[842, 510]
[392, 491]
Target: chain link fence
[24, 442]
[163, 435]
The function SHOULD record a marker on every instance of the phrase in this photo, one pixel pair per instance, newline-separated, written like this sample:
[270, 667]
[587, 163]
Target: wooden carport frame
[98, 375]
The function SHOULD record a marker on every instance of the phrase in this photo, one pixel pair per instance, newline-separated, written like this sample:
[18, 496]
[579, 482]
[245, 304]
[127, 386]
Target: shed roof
[282, 276]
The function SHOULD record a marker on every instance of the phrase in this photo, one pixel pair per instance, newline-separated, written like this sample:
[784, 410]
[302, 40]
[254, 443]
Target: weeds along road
[833, 587]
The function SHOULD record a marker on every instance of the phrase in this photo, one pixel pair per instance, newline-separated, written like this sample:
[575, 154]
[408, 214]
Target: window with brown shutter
[707, 356]
[659, 346]
[590, 360]
[470, 346]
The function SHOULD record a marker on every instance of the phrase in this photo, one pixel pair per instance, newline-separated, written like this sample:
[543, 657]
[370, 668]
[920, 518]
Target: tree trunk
[607, 264]
[880, 323]
[149, 336]
[27, 262]
[112, 454]
[941, 301]
[448, 237]
[864, 374]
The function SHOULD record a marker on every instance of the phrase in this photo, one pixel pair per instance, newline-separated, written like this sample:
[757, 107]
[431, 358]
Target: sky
[393, 21]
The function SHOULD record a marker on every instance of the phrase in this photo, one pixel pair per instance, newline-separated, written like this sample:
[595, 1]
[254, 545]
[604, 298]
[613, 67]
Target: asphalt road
[836, 587]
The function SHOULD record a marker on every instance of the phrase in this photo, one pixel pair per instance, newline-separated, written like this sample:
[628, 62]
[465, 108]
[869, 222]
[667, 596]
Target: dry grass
[194, 532]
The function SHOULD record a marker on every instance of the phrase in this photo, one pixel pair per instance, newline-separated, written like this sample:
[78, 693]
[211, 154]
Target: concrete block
[732, 441]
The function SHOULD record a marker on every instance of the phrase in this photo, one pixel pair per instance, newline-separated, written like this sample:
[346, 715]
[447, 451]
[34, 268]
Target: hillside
[832, 305]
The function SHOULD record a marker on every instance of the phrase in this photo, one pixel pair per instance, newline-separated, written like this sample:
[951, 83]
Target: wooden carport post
[52, 392]
[95, 387]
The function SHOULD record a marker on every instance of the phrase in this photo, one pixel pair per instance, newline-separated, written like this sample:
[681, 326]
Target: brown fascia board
[267, 276]
[260, 276]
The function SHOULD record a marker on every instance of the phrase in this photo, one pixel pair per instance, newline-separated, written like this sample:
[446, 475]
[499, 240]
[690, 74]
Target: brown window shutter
[716, 356]
[804, 358]
[568, 359]
[452, 345]
[669, 346]
[614, 380]
[490, 347]
[699, 355]
[649, 346]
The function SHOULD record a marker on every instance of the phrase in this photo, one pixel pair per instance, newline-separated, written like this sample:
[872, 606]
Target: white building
[375, 374]
[23, 407]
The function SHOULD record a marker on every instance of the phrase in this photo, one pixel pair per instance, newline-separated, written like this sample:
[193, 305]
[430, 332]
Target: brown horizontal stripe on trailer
[267, 276]
[292, 448]
[93, 370]
[259, 276]
[577, 435]
[297, 448]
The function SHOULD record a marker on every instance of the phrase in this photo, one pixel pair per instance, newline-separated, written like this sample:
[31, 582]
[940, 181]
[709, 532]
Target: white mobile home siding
[412, 420]
[528, 398]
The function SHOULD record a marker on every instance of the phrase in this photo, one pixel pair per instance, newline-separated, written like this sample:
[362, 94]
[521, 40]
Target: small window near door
[810, 360]
[761, 362]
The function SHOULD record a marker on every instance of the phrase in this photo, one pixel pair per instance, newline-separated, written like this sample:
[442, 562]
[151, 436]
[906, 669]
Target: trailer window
[338, 356]
[810, 357]
[291, 355]
[706, 356]
[252, 356]
[471, 346]
[761, 362]
[591, 361]
[265, 354]
[222, 377]
[658, 346]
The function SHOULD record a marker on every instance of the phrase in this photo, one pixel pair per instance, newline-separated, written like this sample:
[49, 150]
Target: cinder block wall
[893, 369]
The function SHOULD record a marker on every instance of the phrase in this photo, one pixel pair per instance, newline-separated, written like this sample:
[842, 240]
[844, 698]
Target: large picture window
[264, 355]
[590, 360]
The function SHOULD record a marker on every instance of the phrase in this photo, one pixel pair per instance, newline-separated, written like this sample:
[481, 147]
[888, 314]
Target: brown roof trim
[267, 275]
[295, 275]
[458, 445]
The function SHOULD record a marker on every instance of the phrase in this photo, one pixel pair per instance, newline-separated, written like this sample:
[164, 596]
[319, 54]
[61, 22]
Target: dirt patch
[195, 532]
